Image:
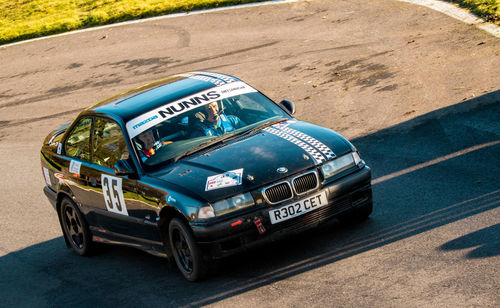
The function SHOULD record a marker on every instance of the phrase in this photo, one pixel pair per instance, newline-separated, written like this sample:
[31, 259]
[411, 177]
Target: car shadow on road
[428, 172]
[484, 243]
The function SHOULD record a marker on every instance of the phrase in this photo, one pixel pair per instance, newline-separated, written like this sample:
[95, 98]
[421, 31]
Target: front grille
[305, 183]
[277, 193]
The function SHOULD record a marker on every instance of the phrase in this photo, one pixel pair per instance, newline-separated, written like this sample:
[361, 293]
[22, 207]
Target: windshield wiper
[202, 146]
[262, 126]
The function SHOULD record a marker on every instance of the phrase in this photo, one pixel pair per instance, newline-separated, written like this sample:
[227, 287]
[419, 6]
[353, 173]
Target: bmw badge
[282, 170]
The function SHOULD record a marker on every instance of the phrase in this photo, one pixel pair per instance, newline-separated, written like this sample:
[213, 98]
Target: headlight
[225, 206]
[340, 164]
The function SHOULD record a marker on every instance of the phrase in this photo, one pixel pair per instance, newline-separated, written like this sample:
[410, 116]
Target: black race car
[198, 166]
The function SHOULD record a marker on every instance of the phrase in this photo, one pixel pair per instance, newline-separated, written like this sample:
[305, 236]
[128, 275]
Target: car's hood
[255, 160]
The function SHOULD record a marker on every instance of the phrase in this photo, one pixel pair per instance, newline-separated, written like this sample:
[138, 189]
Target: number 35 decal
[113, 194]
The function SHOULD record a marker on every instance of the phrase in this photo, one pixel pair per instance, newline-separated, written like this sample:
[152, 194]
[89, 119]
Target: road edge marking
[436, 5]
[458, 13]
[136, 21]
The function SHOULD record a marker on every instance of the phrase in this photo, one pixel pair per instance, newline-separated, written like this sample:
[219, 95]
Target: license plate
[298, 208]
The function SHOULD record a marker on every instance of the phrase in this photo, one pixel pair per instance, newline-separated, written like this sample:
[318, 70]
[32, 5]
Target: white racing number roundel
[113, 194]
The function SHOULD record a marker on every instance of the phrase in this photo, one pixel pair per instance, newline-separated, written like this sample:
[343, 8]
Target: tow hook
[259, 225]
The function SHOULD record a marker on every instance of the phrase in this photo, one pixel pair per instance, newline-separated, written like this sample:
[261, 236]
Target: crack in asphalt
[231, 53]
[131, 64]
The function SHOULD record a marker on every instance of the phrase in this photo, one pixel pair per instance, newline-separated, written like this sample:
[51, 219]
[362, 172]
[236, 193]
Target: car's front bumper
[235, 234]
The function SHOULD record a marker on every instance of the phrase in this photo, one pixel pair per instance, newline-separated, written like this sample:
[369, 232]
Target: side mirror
[288, 105]
[122, 167]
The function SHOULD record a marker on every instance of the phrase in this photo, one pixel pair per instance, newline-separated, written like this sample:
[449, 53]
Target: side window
[78, 143]
[108, 143]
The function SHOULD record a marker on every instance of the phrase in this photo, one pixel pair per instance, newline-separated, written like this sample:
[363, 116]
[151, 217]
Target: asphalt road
[416, 91]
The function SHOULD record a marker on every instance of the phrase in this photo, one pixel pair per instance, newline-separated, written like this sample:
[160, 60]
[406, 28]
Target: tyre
[187, 254]
[75, 228]
[358, 214]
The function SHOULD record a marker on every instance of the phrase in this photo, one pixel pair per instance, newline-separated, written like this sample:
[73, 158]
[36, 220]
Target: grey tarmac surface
[416, 91]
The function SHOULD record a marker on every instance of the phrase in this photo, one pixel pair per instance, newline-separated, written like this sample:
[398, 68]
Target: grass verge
[488, 10]
[25, 19]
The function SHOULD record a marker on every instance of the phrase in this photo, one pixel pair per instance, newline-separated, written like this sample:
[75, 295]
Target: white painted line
[458, 13]
[136, 21]
[434, 161]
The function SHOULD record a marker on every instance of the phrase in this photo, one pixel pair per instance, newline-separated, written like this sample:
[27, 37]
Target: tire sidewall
[198, 265]
[87, 237]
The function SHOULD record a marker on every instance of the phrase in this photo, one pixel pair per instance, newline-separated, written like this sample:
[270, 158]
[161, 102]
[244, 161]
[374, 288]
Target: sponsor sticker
[59, 148]
[74, 167]
[226, 179]
[113, 194]
[47, 176]
[172, 109]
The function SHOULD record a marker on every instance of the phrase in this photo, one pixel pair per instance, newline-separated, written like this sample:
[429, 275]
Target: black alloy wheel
[75, 227]
[187, 255]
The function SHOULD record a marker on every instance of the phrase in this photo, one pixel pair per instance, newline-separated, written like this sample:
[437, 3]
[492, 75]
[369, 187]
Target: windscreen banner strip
[175, 108]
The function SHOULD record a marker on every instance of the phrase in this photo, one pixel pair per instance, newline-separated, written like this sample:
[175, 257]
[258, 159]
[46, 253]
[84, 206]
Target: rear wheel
[187, 254]
[75, 228]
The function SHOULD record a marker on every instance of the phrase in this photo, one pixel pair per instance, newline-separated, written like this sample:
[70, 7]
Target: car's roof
[136, 101]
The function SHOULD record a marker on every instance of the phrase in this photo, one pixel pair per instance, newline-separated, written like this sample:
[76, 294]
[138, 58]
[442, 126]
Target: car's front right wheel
[187, 254]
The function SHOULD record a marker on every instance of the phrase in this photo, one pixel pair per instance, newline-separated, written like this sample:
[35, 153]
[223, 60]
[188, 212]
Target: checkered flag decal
[316, 156]
[325, 150]
[282, 125]
[227, 79]
[215, 81]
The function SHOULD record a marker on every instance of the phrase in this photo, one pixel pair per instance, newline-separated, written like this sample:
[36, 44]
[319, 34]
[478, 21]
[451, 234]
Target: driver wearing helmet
[217, 123]
[148, 145]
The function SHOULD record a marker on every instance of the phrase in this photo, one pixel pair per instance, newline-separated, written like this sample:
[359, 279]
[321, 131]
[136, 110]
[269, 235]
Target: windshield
[218, 114]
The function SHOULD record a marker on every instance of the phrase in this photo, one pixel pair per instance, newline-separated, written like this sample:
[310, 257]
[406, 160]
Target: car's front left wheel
[75, 227]
[187, 254]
